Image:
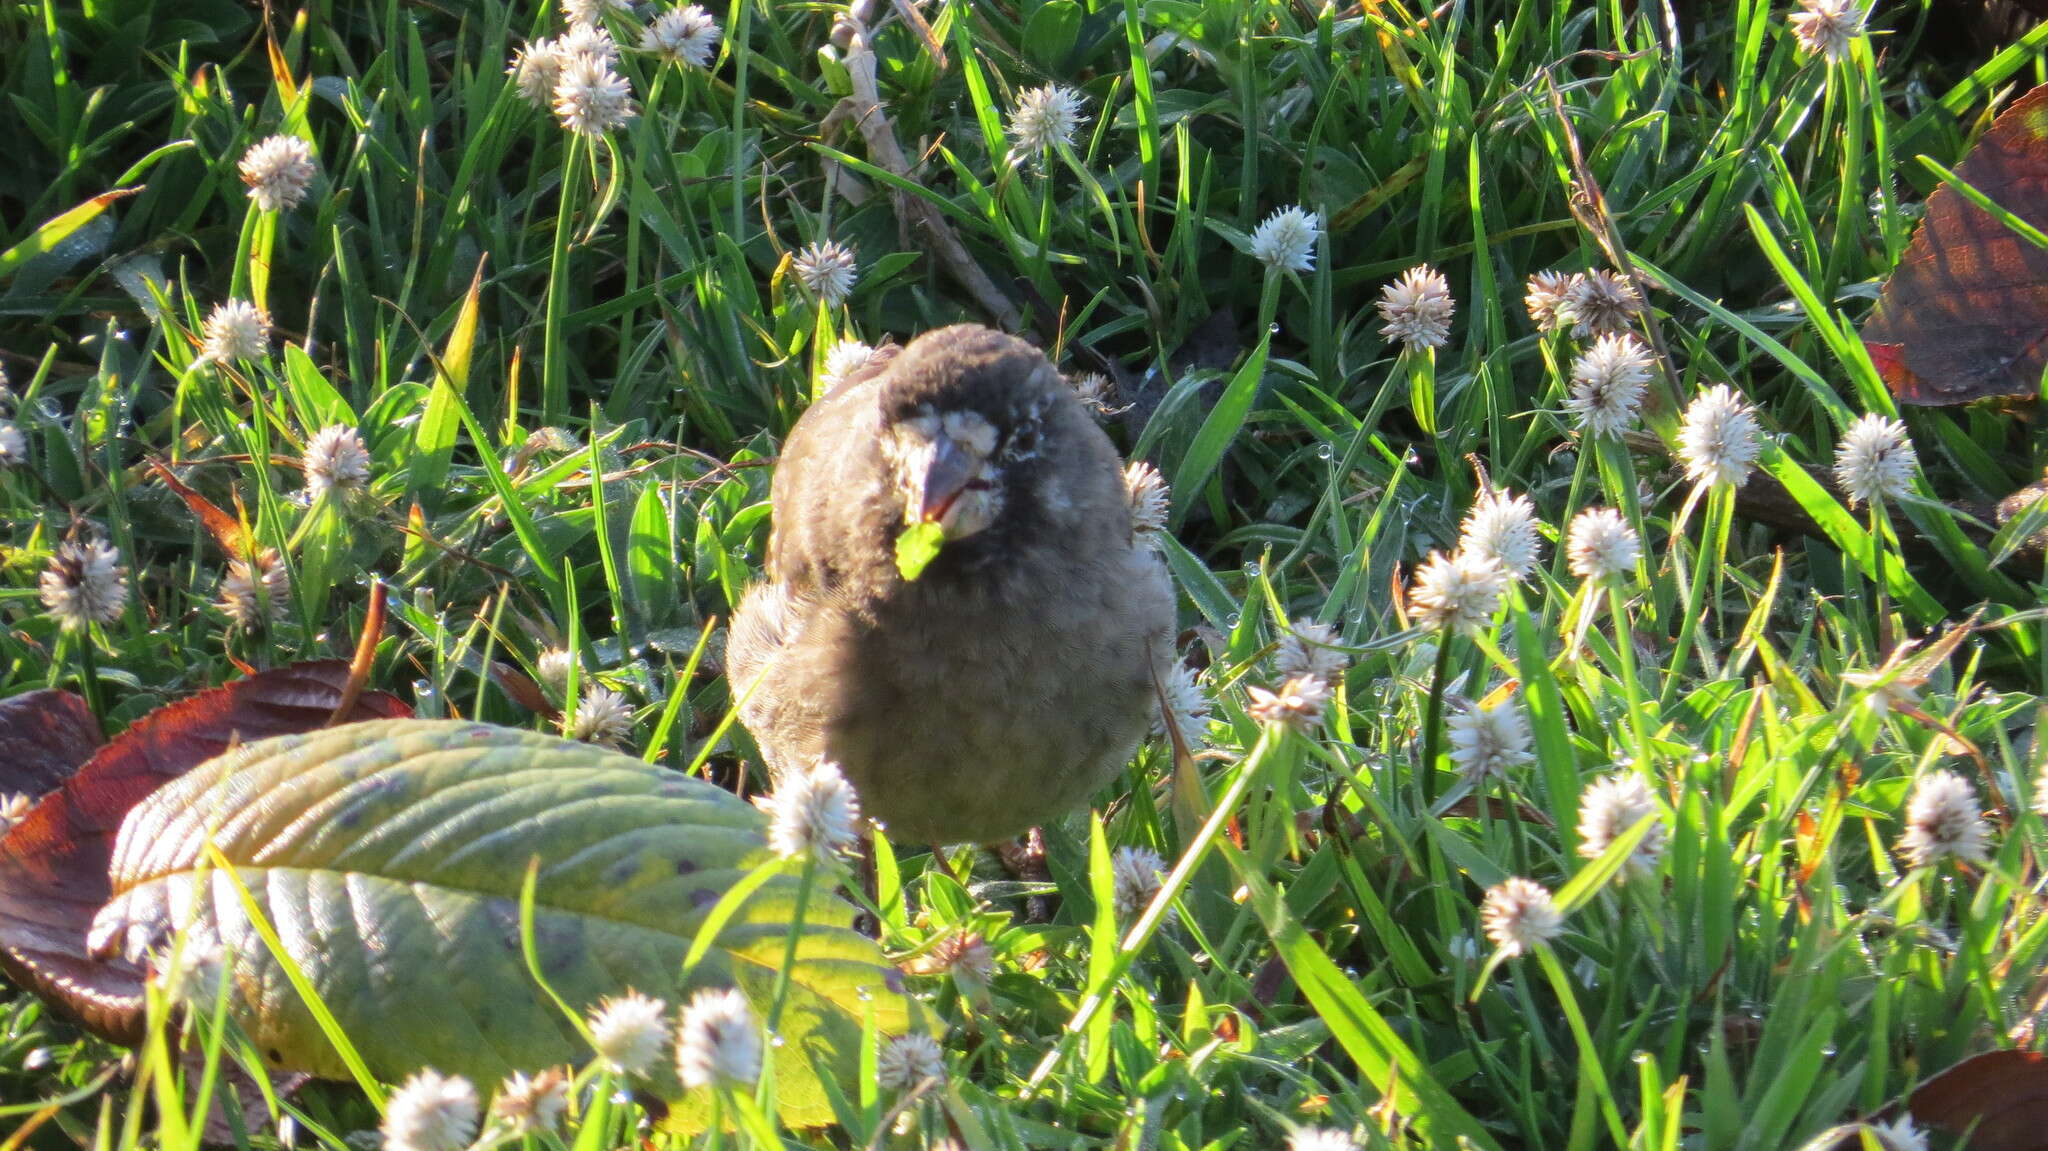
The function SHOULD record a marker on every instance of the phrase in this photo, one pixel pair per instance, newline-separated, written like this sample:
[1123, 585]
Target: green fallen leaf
[917, 547]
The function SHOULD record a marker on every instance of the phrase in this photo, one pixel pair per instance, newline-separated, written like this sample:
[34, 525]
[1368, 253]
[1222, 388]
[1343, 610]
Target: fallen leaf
[44, 737]
[1999, 1098]
[53, 865]
[1965, 314]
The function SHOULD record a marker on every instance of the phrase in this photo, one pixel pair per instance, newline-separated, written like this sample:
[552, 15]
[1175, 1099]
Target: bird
[1016, 674]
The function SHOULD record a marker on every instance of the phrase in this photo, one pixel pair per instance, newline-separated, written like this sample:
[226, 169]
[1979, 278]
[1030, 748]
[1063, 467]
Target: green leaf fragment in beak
[918, 546]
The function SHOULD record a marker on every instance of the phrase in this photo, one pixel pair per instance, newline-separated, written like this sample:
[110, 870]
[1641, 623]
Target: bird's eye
[1022, 442]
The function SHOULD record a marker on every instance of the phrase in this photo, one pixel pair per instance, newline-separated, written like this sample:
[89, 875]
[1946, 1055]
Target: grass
[571, 360]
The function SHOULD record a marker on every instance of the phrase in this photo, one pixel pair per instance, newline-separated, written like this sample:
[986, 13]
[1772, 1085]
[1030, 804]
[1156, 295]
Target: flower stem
[1879, 522]
[1433, 720]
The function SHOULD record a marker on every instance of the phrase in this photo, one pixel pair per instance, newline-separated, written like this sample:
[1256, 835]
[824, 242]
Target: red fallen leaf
[53, 865]
[44, 737]
[1999, 1098]
[1965, 314]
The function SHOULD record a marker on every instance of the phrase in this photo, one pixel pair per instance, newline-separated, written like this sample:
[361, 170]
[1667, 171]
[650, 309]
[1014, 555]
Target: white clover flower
[1093, 390]
[1460, 591]
[551, 667]
[1321, 1139]
[1145, 490]
[1487, 741]
[1900, 1134]
[1875, 460]
[1827, 27]
[529, 1105]
[14, 807]
[1187, 704]
[235, 330]
[431, 1112]
[812, 813]
[13, 446]
[1418, 308]
[254, 592]
[603, 717]
[966, 954]
[1519, 916]
[85, 584]
[190, 974]
[845, 358]
[1719, 440]
[590, 98]
[909, 1060]
[1611, 806]
[1601, 545]
[719, 1043]
[1311, 649]
[628, 1032]
[1134, 874]
[1045, 118]
[1545, 296]
[1286, 241]
[588, 40]
[1298, 703]
[1601, 303]
[535, 69]
[1607, 384]
[590, 12]
[1502, 524]
[1943, 819]
[826, 269]
[337, 462]
[278, 171]
[687, 36]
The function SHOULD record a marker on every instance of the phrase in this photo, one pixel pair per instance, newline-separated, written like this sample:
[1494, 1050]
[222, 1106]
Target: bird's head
[963, 413]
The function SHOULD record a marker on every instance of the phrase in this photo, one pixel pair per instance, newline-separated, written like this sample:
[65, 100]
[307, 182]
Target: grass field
[530, 375]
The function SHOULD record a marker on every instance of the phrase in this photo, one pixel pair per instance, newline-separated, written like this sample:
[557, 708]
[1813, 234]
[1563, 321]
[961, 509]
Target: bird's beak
[945, 477]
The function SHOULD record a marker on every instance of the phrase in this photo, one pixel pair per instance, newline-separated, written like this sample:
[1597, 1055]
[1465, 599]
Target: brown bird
[1014, 676]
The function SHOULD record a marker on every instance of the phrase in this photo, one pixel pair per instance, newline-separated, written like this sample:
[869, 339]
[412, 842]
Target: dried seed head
[1611, 806]
[1875, 460]
[1134, 875]
[235, 330]
[1286, 241]
[1827, 28]
[1146, 491]
[591, 12]
[1187, 704]
[535, 69]
[254, 592]
[1298, 704]
[552, 667]
[719, 1043]
[1502, 524]
[628, 1032]
[1607, 384]
[1719, 440]
[1943, 819]
[278, 171]
[1602, 303]
[590, 98]
[812, 813]
[1487, 741]
[85, 584]
[1045, 118]
[431, 1112]
[1601, 545]
[826, 269]
[1457, 592]
[687, 36]
[603, 717]
[13, 446]
[529, 1105]
[1545, 296]
[908, 1061]
[1418, 308]
[1311, 649]
[1519, 916]
[845, 358]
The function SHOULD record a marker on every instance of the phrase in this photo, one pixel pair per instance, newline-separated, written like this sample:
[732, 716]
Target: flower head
[588, 40]
[1601, 545]
[1827, 27]
[529, 1105]
[964, 953]
[1545, 296]
[1519, 915]
[1900, 1134]
[1187, 705]
[1321, 1139]
[85, 584]
[1418, 308]
[254, 591]
[337, 462]
[908, 1060]
[1094, 391]
[1460, 591]
[1311, 649]
[1607, 384]
[1601, 303]
[687, 36]
[590, 98]
[1719, 440]
[1875, 460]
[278, 171]
[431, 1112]
[812, 813]
[826, 269]
[14, 807]
[235, 330]
[1045, 118]
[13, 446]
[1146, 491]
[603, 717]
[552, 668]
[719, 1043]
[1487, 741]
[1502, 524]
[190, 973]
[1134, 879]
[629, 1031]
[1609, 808]
[536, 67]
[845, 358]
[1286, 241]
[590, 12]
[1298, 703]
[1943, 819]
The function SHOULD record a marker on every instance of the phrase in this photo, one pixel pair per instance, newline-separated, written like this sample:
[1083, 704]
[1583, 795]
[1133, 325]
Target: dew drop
[1251, 569]
[1230, 621]
[1324, 452]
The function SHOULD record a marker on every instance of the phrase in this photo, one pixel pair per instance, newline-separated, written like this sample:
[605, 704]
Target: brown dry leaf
[53, 865]
[1965, 314]
[1999, 1098]
[44, 737]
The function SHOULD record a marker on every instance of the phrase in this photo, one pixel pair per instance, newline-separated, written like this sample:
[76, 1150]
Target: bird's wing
[826, 472]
